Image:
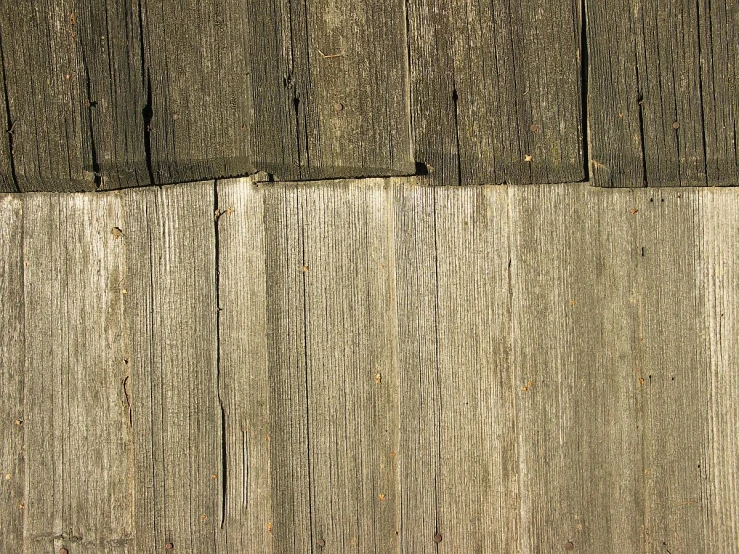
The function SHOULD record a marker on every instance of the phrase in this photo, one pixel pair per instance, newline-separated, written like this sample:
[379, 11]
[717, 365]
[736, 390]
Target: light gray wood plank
[339, 260]
[199, 114]
[44, 84]
[332, 82]
[718, 284]
[177, 418]
[78, 437]
[12, 354]
[418, 383]
[496, 92]
[244, 382]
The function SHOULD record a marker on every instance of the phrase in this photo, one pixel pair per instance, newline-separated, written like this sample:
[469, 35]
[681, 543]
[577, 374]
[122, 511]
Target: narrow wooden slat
[662, 89]
[496, 93]
[199, 113]
[418, 383]
[177, 419]
[718, 283]
[12, 351]
[244, 381]
[44, 82]
[337, 254]
[719, 62]
[78, 437]
[331, 79]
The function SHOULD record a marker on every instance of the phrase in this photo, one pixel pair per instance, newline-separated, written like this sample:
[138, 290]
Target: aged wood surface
[663, 91]
[244, 381]
[199, 114]
[7, 182]
[370, 365]
[332, 83]
[78, 437]
[496, 92]
[12, 354]
[176, 416]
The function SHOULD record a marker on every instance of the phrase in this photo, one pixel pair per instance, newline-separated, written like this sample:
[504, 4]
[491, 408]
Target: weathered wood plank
[244, 382]
[718, 284]
[44, 83]
[719, 62]
[170, 240]
[663, 93]
[418, 384]
[333, 265]
[199, 114]
[496, 91]
[12, 354]
[78, 437]
[333, 88]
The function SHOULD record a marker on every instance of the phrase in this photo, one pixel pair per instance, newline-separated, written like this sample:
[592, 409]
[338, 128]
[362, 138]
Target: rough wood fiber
[610, 365]
[44, 83]
[199, 112]
[244, 382]
[78, 438]
[12, 457]
[331, 79]
[333, 365]
[170, 239]
[496, 92]
[719, 62]
[114, 91]
[718, 283]
[7, 182]
[663, 92]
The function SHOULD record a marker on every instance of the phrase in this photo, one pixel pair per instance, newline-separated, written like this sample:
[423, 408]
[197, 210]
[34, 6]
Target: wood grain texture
[244, 381]
[332, 88]
[44, 83]
[718, 285]
[333, 365]
[78, 438]
[663, 89]
[7, 180]
[496, 93]
[177, 419]
[199, 114]
[12, 355]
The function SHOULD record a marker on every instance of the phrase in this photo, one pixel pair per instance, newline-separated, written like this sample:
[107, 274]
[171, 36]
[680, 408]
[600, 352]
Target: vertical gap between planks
[217, 279]
[584, 74]
[11, 124]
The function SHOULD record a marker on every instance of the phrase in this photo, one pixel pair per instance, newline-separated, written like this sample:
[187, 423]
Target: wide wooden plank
[45, 88]
[177, 418]
[663, 93]
[78, 436]
[244, 382]
[199, 115]
[496, 92]
[718, 284]
[333, 365]
[331, 79]
[12, 354]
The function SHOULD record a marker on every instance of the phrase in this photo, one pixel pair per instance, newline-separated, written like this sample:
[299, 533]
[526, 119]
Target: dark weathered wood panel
[332, 88]
[663, 93]
[244, 382]
[333, 365]
[495, 91]
[171, 295]
[78, 437]
[44, 82]
[12, 355]
[718, 285]
[199, 114]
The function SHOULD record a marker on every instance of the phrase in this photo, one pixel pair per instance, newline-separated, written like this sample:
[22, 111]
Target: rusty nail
[63, 550]
[321, 543]
[169, 546]
[437, 538]
[676, 125]
[569, 546]
[338, 106]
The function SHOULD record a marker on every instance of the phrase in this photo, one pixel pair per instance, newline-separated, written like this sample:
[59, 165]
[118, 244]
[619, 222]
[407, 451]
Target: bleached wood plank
[78, 436]
[177, 419]
[244, 381]
[12, 354]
